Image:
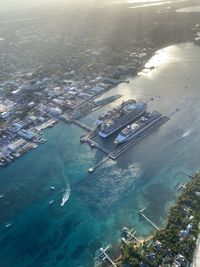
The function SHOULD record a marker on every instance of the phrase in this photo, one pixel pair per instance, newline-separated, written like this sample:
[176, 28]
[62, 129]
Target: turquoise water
[100, 204]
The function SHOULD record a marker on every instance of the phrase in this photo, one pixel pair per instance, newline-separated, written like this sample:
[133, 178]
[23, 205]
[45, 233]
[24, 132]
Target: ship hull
[101, 120]
[104, 135]
[145, 127]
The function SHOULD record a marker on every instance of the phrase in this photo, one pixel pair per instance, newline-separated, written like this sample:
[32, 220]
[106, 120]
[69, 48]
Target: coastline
[184, 213]
[69, 117]
[109, 198]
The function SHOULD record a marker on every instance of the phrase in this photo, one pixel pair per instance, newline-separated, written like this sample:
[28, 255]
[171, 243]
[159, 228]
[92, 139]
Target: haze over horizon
[7, 5]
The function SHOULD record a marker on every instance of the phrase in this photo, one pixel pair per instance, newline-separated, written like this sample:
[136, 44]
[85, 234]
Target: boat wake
[186, 133]
[65, 196]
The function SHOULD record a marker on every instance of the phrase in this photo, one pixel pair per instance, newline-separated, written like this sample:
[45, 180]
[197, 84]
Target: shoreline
[68, 116]
[131, 251]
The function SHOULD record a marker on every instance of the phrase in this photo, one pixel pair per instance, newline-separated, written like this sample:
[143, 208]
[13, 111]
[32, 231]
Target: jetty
[175, 111]
[130, 234]
[91, 169]
[105, 257]
[96, 145]
[82, 125]
[148, 220]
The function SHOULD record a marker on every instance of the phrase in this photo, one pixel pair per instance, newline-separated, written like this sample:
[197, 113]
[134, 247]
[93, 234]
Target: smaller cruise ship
[133, 130]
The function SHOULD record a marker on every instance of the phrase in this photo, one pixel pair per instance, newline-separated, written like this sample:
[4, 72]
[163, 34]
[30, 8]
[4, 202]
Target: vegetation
[177, 241]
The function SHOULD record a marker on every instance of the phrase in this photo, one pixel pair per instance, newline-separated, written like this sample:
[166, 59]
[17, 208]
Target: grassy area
[174, 245]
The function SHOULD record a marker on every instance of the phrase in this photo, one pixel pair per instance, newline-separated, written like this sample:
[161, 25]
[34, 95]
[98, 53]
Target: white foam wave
[65, 196]
[187, 133]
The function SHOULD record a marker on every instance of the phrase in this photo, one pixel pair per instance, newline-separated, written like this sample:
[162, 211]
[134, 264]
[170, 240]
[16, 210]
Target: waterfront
[102, 203]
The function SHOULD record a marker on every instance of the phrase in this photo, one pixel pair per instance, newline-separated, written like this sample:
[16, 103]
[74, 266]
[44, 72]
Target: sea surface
[189, 9]
[100, 204]
[145, 3]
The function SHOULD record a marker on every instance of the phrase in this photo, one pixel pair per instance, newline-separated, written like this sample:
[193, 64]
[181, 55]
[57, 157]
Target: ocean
[100, 204]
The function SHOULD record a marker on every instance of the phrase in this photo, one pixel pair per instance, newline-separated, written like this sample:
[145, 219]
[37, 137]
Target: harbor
[103, 202]
[92, 139]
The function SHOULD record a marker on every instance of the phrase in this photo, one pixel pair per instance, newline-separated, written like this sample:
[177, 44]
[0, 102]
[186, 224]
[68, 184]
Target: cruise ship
[127, 112]
[133, 130]
[112, 113]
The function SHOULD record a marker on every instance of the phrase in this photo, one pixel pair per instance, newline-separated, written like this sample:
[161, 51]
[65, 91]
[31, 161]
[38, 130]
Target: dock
[149, 221]
[96, 145]
[104, 256]
[118, 150]
[83, 126]
[92, 169]
[175, 111]
[130, 234]
[123, 148]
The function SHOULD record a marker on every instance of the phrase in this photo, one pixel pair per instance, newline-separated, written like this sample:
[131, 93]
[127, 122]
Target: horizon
[12, 5]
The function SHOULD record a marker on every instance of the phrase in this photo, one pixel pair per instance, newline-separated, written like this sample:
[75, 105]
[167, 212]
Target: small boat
[52, 187]
[1, 196]
[8, 225]
[51, 202]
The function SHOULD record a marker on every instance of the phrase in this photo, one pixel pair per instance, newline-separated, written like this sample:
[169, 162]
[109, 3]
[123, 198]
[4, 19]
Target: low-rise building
[14, 146]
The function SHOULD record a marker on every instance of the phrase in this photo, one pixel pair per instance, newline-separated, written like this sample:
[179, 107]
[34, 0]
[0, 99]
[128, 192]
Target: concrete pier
[82, 125]
[130, 233]
[92, 169]
[124, 147]
[149, 221]
[105, 256]
[96, 145]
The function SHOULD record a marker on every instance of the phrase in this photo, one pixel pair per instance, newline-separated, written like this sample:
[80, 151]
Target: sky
[6, 5]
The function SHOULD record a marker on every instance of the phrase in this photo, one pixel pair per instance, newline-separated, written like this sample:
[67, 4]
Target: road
[196, 258]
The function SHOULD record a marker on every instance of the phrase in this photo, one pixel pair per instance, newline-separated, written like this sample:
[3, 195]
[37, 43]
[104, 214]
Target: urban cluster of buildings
[39, 83]
[32, 101]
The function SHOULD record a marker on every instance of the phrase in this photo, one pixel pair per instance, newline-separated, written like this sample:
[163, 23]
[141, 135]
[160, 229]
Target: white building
[14, 146]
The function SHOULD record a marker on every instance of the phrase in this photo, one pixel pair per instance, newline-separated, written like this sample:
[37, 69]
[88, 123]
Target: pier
[130, 234]
[104, 256]
[149, 221]
[96, 145]
[82, 125]
[174, 112]
[151, 99]
[90, 170]
[124, 147]
[118, 150]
